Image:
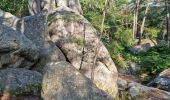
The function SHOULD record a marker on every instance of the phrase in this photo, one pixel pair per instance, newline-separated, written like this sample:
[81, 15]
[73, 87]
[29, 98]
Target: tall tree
[168, 22]
[135, 19]
[104, 15]
[143, 22]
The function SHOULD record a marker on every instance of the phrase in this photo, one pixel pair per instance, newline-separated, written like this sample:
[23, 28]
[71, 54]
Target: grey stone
[140, 92]
[62, 81]
[162, 81]
[134, 68]
[48, 6]
[34, 6]
[20, 82]
[122, 84]
[35, 28]
[8, 19]
[15, 49]
[27, 42]
[78, 40]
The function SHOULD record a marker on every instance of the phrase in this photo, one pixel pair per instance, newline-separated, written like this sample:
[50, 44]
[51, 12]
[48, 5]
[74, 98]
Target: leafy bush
[16, 7]
[151, 32]
[156, 59]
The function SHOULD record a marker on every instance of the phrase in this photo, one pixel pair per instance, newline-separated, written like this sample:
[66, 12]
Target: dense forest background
[125, 26]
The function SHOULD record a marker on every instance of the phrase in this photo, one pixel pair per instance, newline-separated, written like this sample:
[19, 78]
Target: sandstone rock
[34, 6]
[20, 82]
[162, 81]
[78, 39]
[140, 92]
[48, 6]
[62, 81]
[8, 19]
[19, 97]
[35, 28]
[31, 34]
[134, 68]
[15, 49]
[122, 84]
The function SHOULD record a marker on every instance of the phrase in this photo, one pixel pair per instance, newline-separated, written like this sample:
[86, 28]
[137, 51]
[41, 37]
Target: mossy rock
[20, 82]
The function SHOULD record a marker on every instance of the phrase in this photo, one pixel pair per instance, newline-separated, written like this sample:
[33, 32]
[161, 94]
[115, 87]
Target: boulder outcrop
[162, 81]
[44, 42]
[80, 43]
[62, 81]
[19, 81]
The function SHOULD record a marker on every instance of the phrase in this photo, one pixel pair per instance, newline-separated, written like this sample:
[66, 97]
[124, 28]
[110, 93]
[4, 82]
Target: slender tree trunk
[168, 22]
[143, 22]
[104, 15]
[135, 19]
[98, 45]
[126, 14]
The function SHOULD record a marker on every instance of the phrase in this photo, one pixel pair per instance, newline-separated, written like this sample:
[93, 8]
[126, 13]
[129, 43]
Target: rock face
[15, 49]
[141, 92]
[137, 91]
[26, 43]
[79, 42]
[8, 19]
[34, 6]
[28, 37]
[62, 81]
[35, 28]
[162, 81]
[20, 82]
[48, 6]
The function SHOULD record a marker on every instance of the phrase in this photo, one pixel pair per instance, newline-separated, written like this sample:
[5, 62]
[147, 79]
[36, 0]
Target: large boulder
[28, 39]
[48, 6]
[20, 82]
[61, 81]
[15, 49]
[35, 28]
[80, 43]
[140, 92]
[72, 4]
[135, 91]
[162, 81]
[8, 19]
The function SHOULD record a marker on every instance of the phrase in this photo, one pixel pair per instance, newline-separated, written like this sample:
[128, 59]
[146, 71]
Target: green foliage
[156, 59]
[78, 41]
[117, 35]
[151, 32]
[125, 37]
[116, 50]
[16, 7]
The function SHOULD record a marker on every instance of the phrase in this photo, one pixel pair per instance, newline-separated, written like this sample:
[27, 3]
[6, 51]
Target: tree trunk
[143, 22]
[98, 46]
[104, 15]
[168, 22]
[135, 19]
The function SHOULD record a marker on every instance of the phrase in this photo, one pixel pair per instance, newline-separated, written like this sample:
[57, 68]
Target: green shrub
[151, 32]
[156, 59]
[16, 7]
